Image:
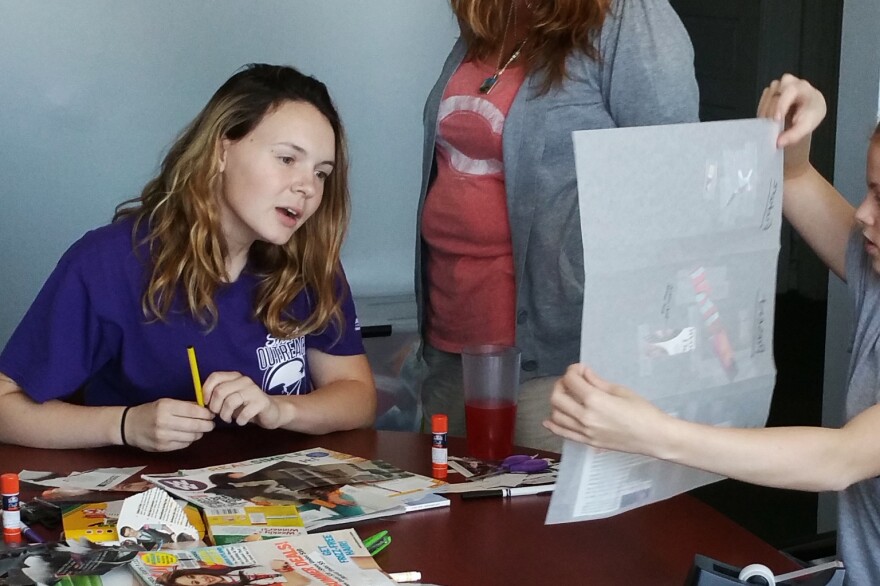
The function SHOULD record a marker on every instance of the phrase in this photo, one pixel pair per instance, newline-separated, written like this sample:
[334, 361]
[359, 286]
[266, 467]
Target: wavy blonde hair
[178, 211]
[560, 27]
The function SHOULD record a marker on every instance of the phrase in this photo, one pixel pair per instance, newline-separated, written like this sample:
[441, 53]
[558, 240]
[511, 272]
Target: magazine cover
[98, 521]
[327, 487]
[337, 557]
[153, 519]
[252, 523]
[94, 521]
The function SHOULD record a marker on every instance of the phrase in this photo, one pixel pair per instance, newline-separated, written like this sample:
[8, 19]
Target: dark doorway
[740, 46]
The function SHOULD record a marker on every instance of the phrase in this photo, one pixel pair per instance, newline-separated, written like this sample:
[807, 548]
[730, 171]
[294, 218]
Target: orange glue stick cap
[9, 483]
[439, 423]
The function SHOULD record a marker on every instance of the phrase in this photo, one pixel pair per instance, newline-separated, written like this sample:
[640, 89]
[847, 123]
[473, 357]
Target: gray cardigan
[645, 76]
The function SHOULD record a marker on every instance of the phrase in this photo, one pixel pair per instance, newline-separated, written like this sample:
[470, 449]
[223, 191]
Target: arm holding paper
[588, 409]
[813, 206]
[591, 410]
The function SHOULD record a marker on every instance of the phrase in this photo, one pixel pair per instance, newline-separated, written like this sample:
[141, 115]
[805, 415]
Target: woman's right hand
[588, 409]
[802, 107]
[166, 425]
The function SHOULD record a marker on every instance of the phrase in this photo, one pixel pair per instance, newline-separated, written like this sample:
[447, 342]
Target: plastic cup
[491, 383]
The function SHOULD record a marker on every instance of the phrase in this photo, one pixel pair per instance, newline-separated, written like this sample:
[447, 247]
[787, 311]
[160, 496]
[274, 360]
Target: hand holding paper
[798, 103]
[591, 410]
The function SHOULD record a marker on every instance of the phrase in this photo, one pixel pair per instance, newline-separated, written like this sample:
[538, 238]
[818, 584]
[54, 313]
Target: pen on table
[509, 492]
[405, 576]
[31, 535]
[197, 380]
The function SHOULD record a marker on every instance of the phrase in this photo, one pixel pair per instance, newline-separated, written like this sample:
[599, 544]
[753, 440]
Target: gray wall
[856, 115]
[94, 91]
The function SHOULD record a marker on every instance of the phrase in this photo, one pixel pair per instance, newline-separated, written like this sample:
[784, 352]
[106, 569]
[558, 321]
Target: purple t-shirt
[86, 329]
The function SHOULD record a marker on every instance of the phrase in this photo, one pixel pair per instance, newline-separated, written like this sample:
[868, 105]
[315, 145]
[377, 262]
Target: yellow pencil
[197, 380]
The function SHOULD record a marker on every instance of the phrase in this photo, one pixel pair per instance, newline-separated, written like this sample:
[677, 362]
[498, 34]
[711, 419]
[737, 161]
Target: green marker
[378, 542]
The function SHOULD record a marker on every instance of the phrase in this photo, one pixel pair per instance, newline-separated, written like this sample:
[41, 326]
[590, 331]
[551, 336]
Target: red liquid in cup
[490, 429]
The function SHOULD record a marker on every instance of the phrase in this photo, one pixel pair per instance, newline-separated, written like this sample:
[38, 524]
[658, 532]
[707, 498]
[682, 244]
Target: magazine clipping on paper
[681, 227]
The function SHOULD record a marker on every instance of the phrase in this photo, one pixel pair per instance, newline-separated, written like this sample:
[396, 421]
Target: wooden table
[475, 542]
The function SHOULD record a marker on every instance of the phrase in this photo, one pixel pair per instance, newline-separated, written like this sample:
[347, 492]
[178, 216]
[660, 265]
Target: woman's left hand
[234, 396]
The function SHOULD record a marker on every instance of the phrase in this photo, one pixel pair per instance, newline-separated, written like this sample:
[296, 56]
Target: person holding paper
[233, 248]
[499, 258]
[589, 409]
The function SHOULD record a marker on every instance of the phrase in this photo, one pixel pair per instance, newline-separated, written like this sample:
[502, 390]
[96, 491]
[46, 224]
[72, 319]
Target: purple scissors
[524, 464]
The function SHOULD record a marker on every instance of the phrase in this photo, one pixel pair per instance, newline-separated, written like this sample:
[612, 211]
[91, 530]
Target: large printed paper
[680, 228]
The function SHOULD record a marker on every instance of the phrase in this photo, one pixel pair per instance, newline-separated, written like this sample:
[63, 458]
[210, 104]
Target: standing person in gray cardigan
[499, 257]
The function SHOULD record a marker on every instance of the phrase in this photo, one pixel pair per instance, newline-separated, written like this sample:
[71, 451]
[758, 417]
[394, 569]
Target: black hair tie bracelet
[122, 425]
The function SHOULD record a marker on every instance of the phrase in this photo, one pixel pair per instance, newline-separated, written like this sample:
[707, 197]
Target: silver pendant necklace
[490, 81]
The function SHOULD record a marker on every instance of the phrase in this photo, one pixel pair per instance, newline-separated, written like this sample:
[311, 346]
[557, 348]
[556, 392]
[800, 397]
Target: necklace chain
[491, 81]
[511, 14]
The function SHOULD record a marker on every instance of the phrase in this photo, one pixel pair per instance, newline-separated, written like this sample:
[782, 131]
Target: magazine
[429, 501]
[98, 521]
[327, 487]
[251, 523]
[91, 486]
[481, 475]
[68, 563]
[153, 519]
[336, 557]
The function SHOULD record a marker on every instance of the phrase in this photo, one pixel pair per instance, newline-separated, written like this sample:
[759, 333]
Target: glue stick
[11, 513]
[439, 427]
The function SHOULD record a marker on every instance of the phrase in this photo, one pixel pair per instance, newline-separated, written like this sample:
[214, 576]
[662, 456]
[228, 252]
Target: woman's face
[273, 177]
[868, 213]
[198, 580]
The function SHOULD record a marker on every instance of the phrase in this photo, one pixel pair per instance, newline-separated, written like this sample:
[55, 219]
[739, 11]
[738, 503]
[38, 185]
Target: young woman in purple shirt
[232, 249]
